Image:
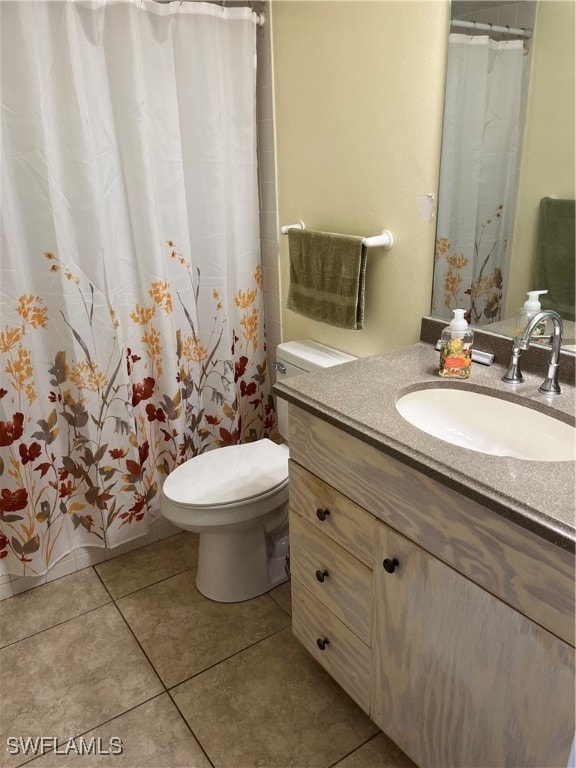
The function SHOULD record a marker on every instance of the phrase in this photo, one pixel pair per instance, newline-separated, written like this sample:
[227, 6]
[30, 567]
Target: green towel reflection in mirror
[555, 259]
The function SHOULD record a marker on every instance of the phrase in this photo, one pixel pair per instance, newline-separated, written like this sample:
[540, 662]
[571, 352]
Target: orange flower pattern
[89, 454]
[482, 298]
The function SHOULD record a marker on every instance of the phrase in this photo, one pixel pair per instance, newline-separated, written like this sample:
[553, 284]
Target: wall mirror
[505, 221]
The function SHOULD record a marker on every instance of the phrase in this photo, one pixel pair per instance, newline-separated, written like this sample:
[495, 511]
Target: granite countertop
[359, 397]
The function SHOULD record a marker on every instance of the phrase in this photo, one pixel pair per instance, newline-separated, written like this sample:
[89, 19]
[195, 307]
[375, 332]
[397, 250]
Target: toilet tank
[296, 357]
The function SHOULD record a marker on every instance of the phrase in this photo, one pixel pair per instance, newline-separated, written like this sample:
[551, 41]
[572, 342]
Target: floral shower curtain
[479, 177]
[132, 325]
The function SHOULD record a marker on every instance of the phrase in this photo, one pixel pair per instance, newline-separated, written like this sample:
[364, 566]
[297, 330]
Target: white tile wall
[269, 225]
[272, 308]
[267, 180]
[266, 135]
[268, 198]
[271, 282]
[267, 162]
[269, 252]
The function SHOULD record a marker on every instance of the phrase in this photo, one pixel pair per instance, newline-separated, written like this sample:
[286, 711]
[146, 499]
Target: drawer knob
[322, 514]
[390, 565]
[321, 575]
[322, 643]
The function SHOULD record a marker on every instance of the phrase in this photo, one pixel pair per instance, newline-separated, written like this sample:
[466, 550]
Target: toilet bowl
[236, 498]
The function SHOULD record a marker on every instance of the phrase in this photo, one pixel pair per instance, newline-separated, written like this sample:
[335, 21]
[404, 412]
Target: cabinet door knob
[390, 565]
[322, 643]
[322, 514]
[321, 575]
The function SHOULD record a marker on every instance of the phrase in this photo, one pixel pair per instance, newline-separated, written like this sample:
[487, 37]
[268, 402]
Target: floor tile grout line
[101, 725]
[186, 723]
[101, 580]
[84, 613]
[286, 611]
[168, 690]
[65, 575]
[58, 624]
[226, 658]
[196, 738]
[138, 643]
[114, 600]
[171, 688]
[147, 586]
[353, 751]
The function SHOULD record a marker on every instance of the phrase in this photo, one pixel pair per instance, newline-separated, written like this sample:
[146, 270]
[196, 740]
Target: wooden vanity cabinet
[444, 637]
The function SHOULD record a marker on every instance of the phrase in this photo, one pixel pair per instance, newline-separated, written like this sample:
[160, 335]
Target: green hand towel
[554, 263]
[327, 277]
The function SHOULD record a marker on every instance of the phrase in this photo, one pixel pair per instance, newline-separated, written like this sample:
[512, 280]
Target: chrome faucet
[513, 375]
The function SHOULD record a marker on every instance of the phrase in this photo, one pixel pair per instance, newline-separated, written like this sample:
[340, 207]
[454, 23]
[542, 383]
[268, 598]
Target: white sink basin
[488, 424]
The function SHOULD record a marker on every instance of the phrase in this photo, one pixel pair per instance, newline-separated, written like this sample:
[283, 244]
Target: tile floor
[130, 650]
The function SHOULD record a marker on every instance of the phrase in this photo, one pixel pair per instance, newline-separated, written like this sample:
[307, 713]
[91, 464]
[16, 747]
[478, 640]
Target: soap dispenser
[456, 348]
[525, 313]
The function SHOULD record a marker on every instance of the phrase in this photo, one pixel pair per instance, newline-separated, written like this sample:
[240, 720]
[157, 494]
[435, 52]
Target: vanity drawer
[338, 580]
[336, 516]
[345, 657]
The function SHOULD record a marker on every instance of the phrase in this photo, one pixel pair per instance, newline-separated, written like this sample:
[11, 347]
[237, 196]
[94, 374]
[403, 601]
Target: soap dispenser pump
[456, 348]
[525, 313]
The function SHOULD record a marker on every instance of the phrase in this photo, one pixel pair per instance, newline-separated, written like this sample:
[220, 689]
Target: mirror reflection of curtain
[132, 332]
[479, 177]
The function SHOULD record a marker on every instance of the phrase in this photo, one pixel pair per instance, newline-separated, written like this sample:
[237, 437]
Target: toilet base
[233, 567]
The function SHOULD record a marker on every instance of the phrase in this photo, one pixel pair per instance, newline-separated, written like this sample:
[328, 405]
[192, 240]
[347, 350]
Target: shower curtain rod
[525, 34]
[260, 17]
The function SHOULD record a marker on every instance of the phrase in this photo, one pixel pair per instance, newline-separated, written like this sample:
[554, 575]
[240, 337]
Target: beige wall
[358, 96]
[548, 160]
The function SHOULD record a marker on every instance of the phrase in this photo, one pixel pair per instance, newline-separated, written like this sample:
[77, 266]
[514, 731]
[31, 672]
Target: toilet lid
[229, 475]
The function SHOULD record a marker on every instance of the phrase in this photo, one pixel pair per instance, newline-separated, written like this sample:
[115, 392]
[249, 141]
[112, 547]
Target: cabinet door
[460, 678]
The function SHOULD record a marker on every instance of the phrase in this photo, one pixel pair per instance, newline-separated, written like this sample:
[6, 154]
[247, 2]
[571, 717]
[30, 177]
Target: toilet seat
[230, 476]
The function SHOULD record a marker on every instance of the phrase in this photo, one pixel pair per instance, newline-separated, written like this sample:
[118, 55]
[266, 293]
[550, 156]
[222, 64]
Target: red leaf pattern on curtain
[93, 451]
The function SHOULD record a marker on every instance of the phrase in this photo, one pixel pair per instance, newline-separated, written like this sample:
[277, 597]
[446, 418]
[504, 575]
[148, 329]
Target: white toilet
[236, 498]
